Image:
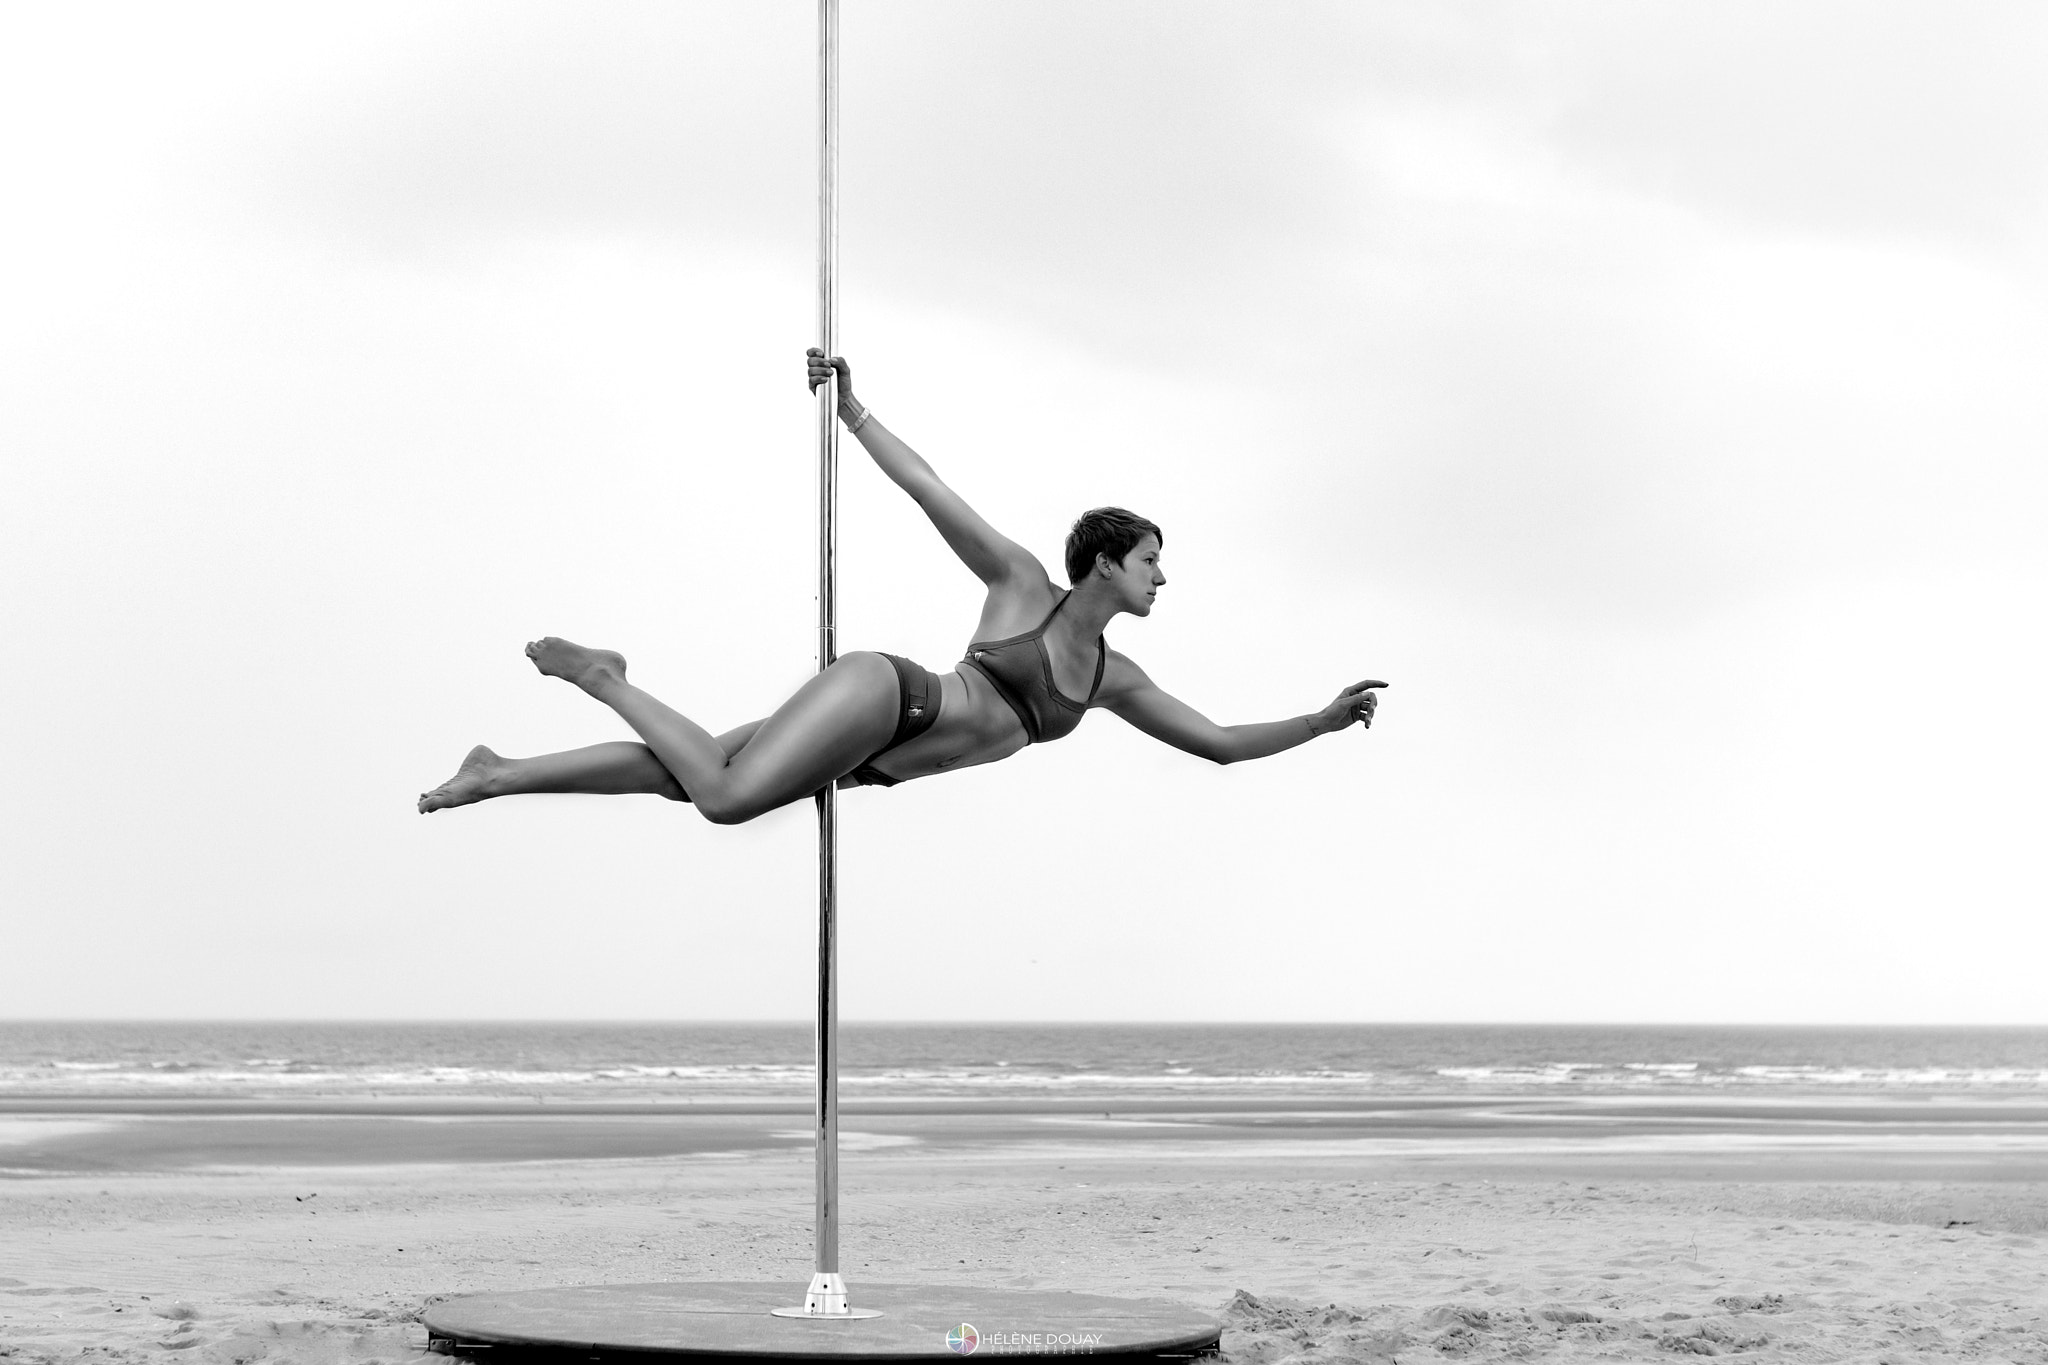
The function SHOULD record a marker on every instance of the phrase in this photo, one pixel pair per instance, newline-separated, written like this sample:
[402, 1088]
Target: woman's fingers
[1360, 701]
[819, 367]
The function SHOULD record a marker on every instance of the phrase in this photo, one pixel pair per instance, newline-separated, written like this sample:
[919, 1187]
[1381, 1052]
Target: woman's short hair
[1105, 531]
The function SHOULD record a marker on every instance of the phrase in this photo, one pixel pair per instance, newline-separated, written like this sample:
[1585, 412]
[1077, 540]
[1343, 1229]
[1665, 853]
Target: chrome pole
[827, 1294]
[828, 626]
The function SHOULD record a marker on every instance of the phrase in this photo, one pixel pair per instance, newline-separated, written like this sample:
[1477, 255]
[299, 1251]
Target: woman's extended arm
[1130, 694]
[993, 556]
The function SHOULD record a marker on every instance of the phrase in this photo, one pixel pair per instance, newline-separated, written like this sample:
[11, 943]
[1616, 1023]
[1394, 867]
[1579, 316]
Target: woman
[1038, 662]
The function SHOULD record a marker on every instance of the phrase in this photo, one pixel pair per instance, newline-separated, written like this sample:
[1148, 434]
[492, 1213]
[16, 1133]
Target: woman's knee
[730, 809]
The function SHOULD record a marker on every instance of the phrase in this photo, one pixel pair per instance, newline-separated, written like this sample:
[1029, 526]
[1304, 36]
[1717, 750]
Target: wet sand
[1832, 1230]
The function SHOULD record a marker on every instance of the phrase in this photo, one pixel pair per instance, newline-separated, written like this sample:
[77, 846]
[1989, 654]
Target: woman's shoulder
[1120, 675]
[1017, 606]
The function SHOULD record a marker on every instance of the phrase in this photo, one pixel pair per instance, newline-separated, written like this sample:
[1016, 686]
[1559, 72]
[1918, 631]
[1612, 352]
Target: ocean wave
[286, 1075]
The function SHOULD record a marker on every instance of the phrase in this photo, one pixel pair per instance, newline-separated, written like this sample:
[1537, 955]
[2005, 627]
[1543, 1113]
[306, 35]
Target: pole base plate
[739, 1322]
[826, 1299]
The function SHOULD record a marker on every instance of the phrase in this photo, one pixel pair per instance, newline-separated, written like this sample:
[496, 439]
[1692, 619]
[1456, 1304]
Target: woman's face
[1138, 578]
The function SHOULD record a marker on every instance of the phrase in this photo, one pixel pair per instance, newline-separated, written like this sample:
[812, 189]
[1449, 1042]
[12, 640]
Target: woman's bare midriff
[975, 725]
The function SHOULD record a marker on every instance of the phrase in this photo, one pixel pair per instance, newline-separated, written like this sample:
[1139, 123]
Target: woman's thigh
[832, 724]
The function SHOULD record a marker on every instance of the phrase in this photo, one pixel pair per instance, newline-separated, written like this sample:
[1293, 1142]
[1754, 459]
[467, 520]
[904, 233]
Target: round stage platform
[733, 1322]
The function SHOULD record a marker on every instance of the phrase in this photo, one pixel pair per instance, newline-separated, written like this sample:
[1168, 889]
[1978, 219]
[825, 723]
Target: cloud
[1875, 121]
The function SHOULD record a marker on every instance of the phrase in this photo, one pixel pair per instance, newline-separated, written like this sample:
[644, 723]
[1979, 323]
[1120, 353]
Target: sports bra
[1021, 672]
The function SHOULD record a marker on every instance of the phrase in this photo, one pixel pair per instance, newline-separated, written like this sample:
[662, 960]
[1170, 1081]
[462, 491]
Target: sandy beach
[230, 1234]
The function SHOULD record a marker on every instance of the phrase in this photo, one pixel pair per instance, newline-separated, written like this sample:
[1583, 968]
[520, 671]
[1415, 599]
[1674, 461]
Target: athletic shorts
[919, 695]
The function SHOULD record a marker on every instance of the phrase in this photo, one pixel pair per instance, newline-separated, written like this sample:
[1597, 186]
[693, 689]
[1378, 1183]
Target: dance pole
[827, 1294]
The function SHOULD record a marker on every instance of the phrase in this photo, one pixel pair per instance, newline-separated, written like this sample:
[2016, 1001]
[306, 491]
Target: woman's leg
[835, 720]
[619, 768]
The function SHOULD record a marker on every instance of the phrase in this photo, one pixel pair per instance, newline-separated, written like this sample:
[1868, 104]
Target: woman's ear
[1104, 566]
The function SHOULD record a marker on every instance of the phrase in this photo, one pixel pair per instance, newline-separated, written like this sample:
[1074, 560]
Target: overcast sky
[1652, 393]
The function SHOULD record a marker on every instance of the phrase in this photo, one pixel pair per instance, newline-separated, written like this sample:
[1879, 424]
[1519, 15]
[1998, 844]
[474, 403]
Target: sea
[943, 1063]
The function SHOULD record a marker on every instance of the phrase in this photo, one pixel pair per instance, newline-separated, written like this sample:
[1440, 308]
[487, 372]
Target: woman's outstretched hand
[820, 369]
[1354, 706]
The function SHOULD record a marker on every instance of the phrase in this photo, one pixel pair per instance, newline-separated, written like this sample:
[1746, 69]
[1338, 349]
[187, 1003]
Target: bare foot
[472, 782]
[574, 663]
